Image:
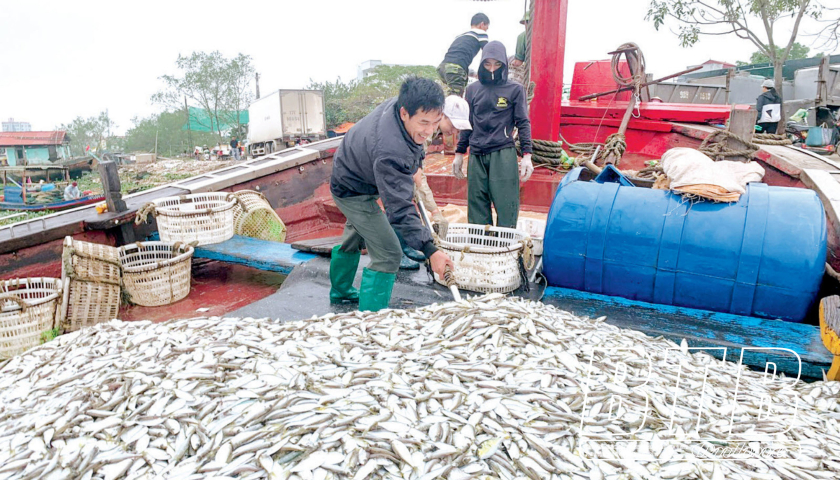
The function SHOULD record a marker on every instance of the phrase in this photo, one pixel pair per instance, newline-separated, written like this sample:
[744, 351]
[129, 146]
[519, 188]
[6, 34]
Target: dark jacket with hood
[497, 105]
[378, 157]
[770, 97]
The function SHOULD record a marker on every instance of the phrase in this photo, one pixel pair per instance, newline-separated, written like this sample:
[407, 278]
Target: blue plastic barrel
[762, 256]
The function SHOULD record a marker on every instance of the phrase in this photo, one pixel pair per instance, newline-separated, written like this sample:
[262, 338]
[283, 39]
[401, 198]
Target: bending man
[378, 158]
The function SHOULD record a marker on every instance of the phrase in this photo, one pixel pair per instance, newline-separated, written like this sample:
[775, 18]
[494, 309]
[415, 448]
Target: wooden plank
[702, 328]
[793, 161]
[742, 124]
[321, 246]
[259, 254]
[828, 190]
[70, 222]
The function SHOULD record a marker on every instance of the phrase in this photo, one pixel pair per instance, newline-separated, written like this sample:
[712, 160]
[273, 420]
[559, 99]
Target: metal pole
[189, 129]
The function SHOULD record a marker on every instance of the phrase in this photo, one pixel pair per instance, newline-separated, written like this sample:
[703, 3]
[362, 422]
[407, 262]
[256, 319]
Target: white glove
[526, 168]
[458, 166]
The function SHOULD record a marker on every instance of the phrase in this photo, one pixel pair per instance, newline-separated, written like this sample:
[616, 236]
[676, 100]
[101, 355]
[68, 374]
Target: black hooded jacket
[378, 157]
[497, 105]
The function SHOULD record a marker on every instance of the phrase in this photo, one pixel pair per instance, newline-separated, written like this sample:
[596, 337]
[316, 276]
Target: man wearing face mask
[378, 158]
[497, 106]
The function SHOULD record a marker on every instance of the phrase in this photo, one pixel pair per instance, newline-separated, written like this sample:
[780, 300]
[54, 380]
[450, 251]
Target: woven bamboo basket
[486, 258]
[90, 273]
[156, 273]
[254, 217]
[205, 218]
[28, 308]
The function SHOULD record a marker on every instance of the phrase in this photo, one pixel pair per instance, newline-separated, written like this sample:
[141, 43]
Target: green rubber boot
[343, 267]
[376, 289]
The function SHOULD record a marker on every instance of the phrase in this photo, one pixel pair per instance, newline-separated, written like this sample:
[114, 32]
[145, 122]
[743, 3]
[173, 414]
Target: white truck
[283, 118]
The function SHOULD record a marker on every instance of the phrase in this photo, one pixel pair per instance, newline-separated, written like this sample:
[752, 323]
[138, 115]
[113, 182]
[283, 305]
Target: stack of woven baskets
[208, 218]
[98, 277]
[91, 274]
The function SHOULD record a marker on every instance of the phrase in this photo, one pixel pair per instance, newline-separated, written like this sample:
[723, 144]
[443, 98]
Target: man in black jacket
[497, 106]
[378, 158]
[456, 63]
[769, 107]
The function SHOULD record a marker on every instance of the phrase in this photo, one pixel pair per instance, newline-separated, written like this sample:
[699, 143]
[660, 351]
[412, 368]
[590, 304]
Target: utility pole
[258, 85]
[189, 129]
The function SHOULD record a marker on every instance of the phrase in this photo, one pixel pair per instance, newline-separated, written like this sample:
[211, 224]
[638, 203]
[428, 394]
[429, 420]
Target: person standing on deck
[456, 63]
[769, 107]
[497, 105]
[378, 158]
[517, 62]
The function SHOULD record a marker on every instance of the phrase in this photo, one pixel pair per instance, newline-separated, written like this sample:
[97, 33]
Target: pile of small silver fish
[490, 387]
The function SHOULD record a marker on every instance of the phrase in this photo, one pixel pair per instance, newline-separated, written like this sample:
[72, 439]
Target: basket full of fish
[491, 387]
[486, 258]
[205, 218]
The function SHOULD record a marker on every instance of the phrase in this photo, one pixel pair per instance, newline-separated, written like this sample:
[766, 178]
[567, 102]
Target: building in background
[32, 148]
[709, 65]
[13, 126]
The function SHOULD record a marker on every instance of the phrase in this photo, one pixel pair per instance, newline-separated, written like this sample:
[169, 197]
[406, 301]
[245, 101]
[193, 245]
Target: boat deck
[305, 293]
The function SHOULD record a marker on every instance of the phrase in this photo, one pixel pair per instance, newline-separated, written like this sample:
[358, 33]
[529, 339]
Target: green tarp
[201, 121]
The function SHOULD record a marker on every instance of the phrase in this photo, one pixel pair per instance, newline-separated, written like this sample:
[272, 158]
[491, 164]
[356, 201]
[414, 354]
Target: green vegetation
[351, 101]
[797, 51]
[50, 335]
[91, 132]
[219, 85]
[168, 128]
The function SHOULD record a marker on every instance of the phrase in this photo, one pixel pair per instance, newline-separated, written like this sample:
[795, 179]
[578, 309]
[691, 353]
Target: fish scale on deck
[492, 387]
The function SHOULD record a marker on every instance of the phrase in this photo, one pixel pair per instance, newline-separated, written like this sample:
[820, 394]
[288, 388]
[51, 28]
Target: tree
[696, 18]
[88, 132]
[168, 128]
[798, 51]
[239, 97]
[351, 101]
[214, 83]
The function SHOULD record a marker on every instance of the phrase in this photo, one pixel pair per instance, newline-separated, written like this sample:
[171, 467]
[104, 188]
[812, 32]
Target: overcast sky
[63, 59]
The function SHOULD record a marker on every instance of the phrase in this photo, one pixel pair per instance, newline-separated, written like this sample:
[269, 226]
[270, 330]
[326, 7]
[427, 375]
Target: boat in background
[52, 206]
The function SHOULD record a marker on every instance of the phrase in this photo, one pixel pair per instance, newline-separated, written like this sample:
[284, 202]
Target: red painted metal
[611, 122]
[29, 139]
[665, 112]
[547, 67]
[43, 260]
[221, 287]
[596, 76]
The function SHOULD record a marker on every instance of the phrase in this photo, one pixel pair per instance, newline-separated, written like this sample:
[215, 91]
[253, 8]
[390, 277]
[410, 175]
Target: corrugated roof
[31, 139]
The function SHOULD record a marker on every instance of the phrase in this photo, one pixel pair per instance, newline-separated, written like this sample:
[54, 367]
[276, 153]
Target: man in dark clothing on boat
[456, 63]
[378, 159]
[769, 107]
[497, 106]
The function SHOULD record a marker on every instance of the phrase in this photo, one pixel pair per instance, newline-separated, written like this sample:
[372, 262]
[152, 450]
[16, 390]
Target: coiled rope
[771, 139]
[715, 147]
